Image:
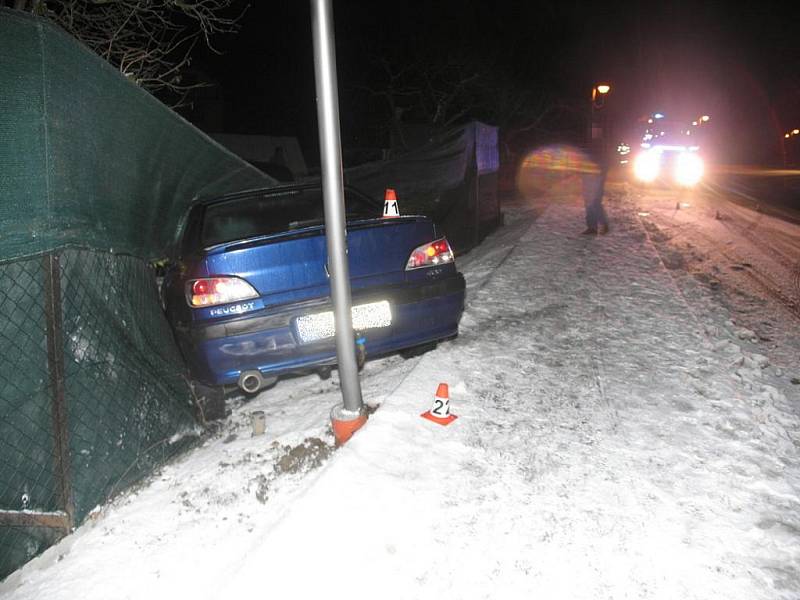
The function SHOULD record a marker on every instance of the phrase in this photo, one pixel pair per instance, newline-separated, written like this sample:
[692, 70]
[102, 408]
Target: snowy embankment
[616, 439]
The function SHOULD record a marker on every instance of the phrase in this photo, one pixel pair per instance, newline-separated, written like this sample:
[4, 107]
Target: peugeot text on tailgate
[248, 295]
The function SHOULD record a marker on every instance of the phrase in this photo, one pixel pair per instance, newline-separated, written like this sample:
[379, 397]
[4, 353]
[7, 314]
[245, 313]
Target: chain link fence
[93, 393]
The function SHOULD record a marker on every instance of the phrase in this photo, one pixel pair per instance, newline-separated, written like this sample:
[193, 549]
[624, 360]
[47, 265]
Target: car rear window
[268, 212]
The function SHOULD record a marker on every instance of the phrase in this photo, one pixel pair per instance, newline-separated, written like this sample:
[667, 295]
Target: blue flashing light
[658, 116]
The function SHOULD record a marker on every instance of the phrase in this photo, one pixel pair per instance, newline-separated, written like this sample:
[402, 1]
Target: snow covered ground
[749, 259]
[619, 436]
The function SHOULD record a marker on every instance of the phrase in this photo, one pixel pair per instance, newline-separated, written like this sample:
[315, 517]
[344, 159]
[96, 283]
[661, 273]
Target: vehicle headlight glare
[646, 166]
[688, 169]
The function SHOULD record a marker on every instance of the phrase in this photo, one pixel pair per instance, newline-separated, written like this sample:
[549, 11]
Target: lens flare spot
[555, 169]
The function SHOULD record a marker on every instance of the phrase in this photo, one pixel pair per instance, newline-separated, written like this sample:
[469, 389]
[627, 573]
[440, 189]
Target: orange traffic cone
[390, 208]
[440, 412]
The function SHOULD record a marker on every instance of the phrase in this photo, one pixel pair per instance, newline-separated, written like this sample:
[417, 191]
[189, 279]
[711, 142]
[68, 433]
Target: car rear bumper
[267, 341]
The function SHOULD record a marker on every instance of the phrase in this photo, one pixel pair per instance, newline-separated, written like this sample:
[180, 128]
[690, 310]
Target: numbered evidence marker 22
[441, 407]
[440, 411]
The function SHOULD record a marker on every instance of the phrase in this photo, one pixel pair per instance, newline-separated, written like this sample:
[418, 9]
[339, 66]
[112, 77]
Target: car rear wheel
[209, 402]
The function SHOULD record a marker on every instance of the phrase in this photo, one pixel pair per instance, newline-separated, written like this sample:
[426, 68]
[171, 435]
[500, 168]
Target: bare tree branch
[149, 41]
[441, 87]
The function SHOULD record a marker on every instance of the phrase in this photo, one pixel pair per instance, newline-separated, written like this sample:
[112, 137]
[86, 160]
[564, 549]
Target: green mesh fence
[28, 480]
[90, 159]
[126, 390]
[95, 177]
[26, 447]
[20, 544]
[125, 406]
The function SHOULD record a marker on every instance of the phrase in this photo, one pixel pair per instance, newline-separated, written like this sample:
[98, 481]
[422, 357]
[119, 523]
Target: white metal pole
[333, 194]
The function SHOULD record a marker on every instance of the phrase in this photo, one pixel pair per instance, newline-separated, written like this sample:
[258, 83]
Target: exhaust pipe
[251, 381]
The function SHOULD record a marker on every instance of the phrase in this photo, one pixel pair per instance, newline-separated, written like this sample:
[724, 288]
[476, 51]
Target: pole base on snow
[345, 423]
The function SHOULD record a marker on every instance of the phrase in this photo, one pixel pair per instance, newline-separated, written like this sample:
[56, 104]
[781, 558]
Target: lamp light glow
[646, 166]
[688, 169]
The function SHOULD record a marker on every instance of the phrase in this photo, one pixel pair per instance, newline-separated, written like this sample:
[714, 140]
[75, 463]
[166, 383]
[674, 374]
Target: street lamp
[598, 93]
[786, 136]
[596, 133]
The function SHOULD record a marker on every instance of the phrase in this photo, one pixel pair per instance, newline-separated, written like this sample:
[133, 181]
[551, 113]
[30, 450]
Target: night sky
[740, 65]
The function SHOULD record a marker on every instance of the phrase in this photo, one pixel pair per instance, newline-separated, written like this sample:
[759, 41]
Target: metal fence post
[55, 363]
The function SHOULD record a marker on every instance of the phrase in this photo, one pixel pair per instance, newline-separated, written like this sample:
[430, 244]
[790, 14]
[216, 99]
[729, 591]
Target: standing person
[593, 186]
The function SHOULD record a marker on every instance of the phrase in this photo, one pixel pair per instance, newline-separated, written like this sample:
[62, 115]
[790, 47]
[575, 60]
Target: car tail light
[218, 290]
[429, 255]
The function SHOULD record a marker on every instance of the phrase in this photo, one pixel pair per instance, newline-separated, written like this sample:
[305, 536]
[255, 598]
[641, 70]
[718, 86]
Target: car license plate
[311, 328]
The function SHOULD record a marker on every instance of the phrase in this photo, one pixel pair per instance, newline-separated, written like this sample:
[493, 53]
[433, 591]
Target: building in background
[278, 156]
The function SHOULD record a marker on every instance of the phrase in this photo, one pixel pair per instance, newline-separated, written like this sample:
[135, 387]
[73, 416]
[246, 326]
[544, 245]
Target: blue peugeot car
[248, 292]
